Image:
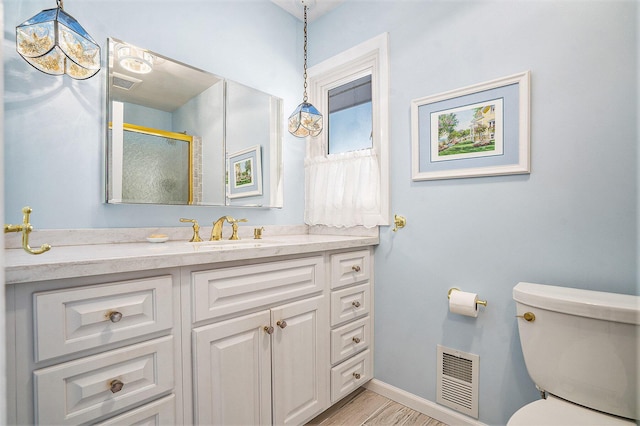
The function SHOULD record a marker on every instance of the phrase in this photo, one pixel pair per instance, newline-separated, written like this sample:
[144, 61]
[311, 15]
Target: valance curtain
[343, 190]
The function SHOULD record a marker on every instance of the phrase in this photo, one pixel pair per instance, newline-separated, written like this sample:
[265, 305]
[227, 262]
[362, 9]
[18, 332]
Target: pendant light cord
[304, 98]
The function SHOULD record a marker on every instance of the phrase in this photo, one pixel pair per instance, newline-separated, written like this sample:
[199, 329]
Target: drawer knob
[357, 376]
[356, 340]
[268, 329]
[281, 323]
[356, 304]
[115, 316]
[116, 386]
[356, 268]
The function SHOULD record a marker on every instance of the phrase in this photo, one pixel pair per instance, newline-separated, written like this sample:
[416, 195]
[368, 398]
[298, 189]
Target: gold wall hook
[399, 222]
[26, 229]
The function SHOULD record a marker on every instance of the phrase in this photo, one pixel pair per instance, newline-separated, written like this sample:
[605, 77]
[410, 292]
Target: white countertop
[95, 259]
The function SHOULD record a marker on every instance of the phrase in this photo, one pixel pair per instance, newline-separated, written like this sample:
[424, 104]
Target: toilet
[581, 351]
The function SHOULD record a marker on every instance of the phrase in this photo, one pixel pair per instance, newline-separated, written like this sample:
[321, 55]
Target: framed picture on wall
[479, 130]
[244, 173]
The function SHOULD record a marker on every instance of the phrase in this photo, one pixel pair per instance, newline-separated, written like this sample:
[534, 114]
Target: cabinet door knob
[115, 386]
[268, 329]
[356, 304]
[356, 268]
[357, 376]
[281, 323]
[114, 316]
[356, 340]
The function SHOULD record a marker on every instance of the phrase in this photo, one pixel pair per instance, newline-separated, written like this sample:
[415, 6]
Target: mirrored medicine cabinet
[180, 135]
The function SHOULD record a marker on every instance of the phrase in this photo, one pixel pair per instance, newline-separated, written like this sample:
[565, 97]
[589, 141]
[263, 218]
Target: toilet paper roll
[463, 303]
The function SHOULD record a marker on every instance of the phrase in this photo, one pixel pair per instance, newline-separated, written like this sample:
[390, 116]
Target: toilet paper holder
[478, 302]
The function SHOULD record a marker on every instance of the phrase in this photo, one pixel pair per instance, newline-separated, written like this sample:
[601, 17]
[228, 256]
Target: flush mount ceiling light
[55, 43]
[135, 60]
[306, 120]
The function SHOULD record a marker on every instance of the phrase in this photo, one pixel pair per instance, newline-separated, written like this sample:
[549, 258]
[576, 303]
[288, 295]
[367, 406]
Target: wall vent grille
[124, 82]
[457, 380]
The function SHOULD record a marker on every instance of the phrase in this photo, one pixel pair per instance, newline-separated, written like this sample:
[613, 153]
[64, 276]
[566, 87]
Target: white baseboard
[431, 409]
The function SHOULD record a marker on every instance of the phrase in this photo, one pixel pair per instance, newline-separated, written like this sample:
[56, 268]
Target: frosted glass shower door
[156, 166]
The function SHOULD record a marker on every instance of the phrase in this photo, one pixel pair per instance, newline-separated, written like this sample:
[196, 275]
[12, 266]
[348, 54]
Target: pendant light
[55, 43]
[306, 120]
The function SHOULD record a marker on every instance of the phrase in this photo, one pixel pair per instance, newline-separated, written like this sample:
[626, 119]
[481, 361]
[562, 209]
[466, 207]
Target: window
[351, 90]
[350, 123]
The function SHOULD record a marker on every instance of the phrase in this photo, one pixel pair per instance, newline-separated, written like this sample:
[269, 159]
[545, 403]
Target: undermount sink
[228, 244]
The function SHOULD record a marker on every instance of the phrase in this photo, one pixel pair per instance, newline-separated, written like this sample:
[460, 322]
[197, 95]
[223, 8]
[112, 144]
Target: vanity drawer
[160, 412]
[350, 303]
[226, 291]
[350, 375]
[67, 321]
[350, 339]
[82, 390]
[350, 268]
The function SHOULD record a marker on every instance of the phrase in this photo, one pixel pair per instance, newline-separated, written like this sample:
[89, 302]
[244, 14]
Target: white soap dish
[157, 238]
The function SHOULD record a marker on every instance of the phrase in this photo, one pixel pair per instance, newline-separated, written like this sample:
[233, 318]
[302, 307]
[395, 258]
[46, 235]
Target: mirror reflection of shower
[155, 166]
[148, 90]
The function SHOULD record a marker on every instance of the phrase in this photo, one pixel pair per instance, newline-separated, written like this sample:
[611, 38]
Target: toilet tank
[582, 345]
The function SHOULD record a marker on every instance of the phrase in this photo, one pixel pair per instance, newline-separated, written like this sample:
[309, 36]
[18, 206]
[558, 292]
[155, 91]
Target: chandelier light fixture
[55, 43]
[306, 120]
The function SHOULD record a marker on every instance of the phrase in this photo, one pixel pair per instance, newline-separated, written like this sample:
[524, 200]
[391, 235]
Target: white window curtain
[343, 190]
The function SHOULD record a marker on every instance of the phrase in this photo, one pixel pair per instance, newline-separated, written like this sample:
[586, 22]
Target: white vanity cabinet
[177, 335]
[268, 365]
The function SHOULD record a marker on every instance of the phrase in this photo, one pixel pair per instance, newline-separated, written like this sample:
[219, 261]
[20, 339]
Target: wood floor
[364, 407]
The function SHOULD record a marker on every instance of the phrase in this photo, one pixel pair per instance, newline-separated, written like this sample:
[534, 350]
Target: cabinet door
[300, 361]
[232, 372]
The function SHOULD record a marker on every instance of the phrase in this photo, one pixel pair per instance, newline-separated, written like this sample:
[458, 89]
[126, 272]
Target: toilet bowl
[581, 349]
[555, 411]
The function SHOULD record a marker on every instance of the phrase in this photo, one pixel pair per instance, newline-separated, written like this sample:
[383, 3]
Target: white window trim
[368, 58]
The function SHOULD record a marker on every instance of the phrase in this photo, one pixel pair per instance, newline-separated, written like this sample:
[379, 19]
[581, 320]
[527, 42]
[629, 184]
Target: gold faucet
[196, 228]
[216, 232]
[26, 229]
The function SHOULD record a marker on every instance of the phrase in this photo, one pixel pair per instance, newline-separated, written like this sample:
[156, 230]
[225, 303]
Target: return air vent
[124, 82]
[457, 380]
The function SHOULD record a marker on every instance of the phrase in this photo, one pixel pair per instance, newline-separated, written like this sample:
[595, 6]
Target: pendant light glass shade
[55, 43]
[306, 120]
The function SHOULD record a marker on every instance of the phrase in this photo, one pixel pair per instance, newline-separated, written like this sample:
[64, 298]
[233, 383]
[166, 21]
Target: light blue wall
[571, 222]
[54, 126]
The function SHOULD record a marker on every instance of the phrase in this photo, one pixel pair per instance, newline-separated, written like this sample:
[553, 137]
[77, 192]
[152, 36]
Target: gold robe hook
[26, 229]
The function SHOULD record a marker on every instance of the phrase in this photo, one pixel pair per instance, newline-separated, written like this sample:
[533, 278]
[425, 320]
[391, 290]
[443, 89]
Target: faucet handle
[234, 227]
[235, 221]
[196, 228]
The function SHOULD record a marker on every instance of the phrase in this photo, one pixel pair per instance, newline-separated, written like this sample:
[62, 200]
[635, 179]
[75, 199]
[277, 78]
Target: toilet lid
[556, 411]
